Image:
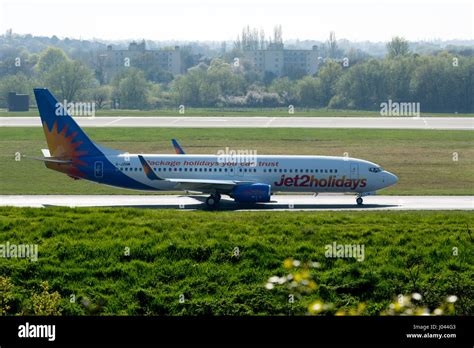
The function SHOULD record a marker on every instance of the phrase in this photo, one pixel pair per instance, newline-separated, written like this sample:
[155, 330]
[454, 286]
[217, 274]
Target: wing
[200, 185]
[203, 185]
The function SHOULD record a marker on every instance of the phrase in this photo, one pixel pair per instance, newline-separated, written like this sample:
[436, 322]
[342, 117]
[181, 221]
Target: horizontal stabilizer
[51, 160]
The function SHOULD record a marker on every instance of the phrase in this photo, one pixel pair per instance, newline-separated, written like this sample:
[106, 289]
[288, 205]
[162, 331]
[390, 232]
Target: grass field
[185, 263]
[422, 159]
[271, 112]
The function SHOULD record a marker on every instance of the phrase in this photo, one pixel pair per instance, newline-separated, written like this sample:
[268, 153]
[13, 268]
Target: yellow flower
[288, 263]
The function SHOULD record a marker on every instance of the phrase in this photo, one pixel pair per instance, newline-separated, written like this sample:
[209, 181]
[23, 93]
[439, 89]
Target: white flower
[274, 279]
[452, 298]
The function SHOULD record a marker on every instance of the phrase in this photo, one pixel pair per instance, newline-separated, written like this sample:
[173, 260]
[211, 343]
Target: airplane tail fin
[177, 148]
[66, 140]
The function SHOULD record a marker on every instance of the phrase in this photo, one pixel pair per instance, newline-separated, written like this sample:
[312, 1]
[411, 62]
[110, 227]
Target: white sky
[374, 20]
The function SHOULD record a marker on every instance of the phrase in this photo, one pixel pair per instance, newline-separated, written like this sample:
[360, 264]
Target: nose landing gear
[359, 200]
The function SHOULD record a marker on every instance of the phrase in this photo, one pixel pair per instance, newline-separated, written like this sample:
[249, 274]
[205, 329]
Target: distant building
[280, 61]
[114, 61]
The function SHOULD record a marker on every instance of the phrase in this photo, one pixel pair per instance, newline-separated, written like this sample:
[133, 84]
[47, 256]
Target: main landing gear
[213, 200]
[359, 200]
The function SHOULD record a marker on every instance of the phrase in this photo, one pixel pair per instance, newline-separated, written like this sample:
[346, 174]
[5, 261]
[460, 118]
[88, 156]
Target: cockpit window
[375, 169]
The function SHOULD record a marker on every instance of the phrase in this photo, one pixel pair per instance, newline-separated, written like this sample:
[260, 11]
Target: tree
[286, 89]
[332, 45]
[228, 82]
[310, 92]
[131, 89]
[329, 76]
[363, 86]
[50, 58]
[278, 35]
[101, 95]
[67, 78]
[195, 89]
[397, 47]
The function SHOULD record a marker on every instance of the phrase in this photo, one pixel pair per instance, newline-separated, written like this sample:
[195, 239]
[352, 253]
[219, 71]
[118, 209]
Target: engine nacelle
[252, 193]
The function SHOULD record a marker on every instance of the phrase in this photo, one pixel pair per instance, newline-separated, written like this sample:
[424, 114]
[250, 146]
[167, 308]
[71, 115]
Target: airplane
[246, 179]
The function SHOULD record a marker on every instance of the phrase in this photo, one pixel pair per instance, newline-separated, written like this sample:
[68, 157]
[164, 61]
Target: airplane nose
[390, 179]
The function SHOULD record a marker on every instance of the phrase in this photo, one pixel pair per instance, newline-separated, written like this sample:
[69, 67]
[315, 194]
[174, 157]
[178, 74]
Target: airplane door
[354, 170]
[98, 169]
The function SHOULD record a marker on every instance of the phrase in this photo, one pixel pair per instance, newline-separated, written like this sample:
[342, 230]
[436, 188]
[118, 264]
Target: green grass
[81, 253]
[271, 112]
[422, 159]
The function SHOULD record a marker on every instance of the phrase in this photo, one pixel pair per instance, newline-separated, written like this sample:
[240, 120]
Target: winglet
[177, 148]
[148, 170]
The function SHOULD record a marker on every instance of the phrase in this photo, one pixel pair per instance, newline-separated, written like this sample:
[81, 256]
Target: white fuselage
[282, 173]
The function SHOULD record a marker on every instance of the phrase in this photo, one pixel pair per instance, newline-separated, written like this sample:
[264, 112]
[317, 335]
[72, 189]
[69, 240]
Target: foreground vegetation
[153, 262]
[424, 160]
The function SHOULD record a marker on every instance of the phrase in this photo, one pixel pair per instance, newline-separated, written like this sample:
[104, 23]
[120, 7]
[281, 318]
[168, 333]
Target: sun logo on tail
[63, 146]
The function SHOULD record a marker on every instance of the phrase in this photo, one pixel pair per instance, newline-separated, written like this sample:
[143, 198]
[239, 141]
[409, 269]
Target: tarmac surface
[446, 123]
[278, 203]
